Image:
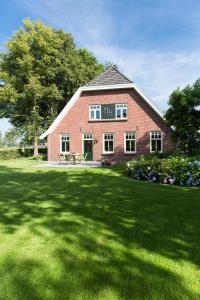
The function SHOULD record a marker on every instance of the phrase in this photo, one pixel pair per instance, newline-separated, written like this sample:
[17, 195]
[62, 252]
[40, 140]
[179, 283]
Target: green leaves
[39, 73]
[184, 116]
[179, 166]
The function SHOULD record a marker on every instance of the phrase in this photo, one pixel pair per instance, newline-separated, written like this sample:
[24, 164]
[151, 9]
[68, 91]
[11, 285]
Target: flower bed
[173, 170]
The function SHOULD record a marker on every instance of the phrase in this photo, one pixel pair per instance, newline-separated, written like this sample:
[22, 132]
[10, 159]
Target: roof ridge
[109, 77]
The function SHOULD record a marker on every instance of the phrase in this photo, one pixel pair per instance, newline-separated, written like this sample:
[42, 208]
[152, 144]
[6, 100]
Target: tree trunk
[35, 146]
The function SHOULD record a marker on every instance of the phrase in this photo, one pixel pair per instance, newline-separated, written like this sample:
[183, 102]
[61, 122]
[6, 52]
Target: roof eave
[107, 87]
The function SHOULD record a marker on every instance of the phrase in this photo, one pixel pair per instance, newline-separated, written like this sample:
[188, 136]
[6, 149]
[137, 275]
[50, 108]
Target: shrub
[13, 153]
[9, 154]
[172, 170]
[106, 162]
[28, 152]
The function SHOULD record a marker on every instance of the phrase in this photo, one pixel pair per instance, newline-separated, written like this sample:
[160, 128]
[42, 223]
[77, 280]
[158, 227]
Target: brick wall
[141, 118]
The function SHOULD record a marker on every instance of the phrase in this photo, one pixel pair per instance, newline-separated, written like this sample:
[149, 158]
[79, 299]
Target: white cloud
[157, 72]
[85, 19]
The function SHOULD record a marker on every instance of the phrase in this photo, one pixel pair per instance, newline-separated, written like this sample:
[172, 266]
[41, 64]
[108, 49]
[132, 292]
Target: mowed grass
[95, 234]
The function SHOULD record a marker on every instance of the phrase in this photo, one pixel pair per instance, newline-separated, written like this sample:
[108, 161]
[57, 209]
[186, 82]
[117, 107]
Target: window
[121, 111]
[95, 112]
[108, 112]
[156, 141]
[87, 136]
[64, 143]
[108, 143]
[129, 142]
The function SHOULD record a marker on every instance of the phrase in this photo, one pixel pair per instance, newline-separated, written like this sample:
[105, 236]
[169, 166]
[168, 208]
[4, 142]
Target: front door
[88, 149]
[88, 146]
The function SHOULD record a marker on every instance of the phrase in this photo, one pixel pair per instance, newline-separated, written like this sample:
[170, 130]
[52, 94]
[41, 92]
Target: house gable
[111, 79]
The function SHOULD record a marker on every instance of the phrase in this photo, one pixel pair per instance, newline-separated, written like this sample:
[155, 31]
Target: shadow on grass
[105, 231]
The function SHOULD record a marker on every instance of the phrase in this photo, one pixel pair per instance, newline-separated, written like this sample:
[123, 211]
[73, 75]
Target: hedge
[172, 170]
[13, 153]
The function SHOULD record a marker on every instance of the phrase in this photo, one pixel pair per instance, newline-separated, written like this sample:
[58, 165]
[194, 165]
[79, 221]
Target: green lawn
[95, 234]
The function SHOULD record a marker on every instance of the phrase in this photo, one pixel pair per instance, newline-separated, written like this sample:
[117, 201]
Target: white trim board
[76, 96]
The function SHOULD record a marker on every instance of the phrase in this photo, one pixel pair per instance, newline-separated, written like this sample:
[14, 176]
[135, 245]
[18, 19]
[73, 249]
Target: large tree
[39, 73]
[184, 115]
[1, 140]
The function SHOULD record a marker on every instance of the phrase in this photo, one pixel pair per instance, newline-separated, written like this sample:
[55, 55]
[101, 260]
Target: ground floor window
[156, 141]
[129, 142]
[64, 143]
[108, 143]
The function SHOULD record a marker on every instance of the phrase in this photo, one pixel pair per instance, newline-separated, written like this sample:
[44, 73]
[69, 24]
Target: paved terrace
[87, 164]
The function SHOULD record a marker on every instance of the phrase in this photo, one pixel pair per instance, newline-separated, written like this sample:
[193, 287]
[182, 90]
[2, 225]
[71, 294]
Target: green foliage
[39, 73]
[11, 137]
[120, 167]
[9, 154]
[184, 115]
[178, 168]
[1, 139]
[13, 153]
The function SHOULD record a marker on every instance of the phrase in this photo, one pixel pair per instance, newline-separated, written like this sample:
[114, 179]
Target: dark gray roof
[109, 77]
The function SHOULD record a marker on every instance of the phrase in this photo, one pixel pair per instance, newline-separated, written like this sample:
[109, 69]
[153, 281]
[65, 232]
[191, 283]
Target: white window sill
[65, 152]
[108, 152]
[107, 120]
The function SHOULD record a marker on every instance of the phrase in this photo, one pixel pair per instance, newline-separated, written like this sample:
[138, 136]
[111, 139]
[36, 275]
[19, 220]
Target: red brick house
[108, 118]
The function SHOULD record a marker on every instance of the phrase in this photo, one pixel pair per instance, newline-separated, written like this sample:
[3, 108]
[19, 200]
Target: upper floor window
[156, 141]
[95, 112]
[130, 142]
[108, 143]
[121, 111]
[108, 111]
[64, 143]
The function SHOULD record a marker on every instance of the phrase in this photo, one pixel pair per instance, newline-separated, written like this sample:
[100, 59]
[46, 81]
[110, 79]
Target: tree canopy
[1, 139]
[40, 71]
[184, 115]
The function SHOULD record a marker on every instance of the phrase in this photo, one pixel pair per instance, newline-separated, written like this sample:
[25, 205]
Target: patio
[87, 164]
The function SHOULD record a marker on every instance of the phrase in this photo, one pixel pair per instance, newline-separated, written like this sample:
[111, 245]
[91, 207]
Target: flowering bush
[172, 170]
[106, 163]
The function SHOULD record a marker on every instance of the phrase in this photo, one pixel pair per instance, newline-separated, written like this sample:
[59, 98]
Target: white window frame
[121, 109]
[87, 136]
[61, 135]
[124, 105]
[129, 132]
[108, 152]
[92, 109]
[151, 139]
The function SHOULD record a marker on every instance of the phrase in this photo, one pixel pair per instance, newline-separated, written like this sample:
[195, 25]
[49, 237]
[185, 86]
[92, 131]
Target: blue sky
[154, 42]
